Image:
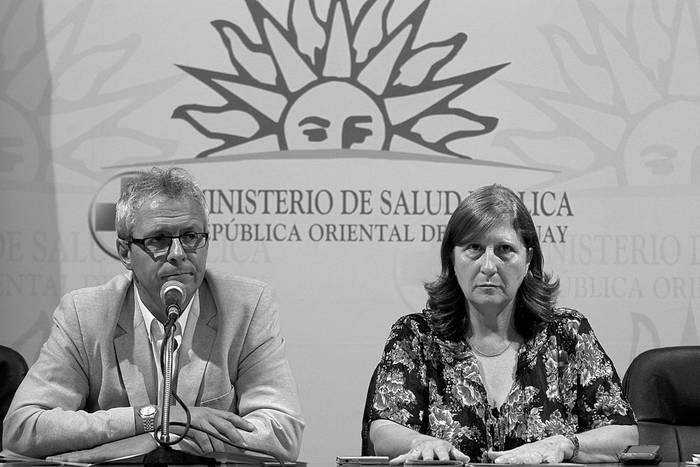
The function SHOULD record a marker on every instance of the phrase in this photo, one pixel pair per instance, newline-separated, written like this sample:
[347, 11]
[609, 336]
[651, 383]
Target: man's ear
[124, 253]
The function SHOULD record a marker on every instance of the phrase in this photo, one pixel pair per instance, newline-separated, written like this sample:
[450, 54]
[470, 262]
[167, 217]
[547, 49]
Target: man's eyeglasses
[159, 245]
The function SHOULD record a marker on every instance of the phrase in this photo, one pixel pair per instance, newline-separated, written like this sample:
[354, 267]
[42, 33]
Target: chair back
[662, 385]
[13, 367]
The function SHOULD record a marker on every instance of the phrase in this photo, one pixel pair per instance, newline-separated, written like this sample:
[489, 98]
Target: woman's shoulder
[416, 331]
[415, 322]
[564, 313]
[568, 321]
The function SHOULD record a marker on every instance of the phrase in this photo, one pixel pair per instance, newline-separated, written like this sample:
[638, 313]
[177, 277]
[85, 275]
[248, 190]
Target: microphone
[172, 294]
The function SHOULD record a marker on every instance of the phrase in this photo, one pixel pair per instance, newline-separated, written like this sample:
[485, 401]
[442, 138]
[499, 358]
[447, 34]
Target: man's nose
[176, 251]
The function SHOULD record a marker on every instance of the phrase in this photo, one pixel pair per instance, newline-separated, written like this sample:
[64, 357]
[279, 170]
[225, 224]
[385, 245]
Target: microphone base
[165, 455]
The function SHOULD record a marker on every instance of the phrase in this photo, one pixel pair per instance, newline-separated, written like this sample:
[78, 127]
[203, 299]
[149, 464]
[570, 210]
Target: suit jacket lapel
[197, 343]
[134, 355]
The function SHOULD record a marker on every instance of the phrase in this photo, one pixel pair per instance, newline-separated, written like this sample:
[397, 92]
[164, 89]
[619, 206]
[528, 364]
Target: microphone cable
[169, 326]
[168, 329]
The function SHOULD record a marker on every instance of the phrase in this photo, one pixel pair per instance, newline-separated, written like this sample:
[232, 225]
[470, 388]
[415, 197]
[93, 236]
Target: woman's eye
[472, 249]
[506, 249]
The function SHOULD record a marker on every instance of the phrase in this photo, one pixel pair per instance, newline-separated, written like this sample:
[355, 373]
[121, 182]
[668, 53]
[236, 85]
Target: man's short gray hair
[173, 183]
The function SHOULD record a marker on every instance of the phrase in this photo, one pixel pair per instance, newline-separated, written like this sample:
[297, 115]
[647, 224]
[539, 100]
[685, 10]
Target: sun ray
[401, 108]
[16, 45]
[89, 73]
[271, 104]
[427, 61]
[544, 150]
[60, 41]
[294, 70]
[441, 128]
[72, 25]
[244, 124]
[472, 125]
[401, 144]
[338, 55]
[591, 120]
[620, 61]
[545, 101]
[626, 70]
[260, 144]
[581, 71]
[436, 95]
[371, 28]
[685, 62]
[263, 144]
[190, 114]
[246, 57]
[302, 17]
[652, 40]
[234, 102]
[377, 72]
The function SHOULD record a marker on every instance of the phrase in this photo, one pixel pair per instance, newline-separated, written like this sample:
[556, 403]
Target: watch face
[147, 411]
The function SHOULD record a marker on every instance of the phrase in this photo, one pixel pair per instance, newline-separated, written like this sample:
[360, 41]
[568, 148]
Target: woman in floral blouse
[492, 371]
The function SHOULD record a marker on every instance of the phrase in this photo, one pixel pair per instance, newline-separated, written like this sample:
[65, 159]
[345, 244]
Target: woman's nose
[488, 262]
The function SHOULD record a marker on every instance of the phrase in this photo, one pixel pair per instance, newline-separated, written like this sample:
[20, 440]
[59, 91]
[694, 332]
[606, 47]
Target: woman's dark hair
[481, 211]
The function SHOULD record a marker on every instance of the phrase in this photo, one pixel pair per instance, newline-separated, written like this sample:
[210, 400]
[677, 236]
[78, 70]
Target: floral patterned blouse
[565, 383]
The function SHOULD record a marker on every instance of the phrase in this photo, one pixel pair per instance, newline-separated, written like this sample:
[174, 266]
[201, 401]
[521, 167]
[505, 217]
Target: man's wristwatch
[148, 417]
[574, 441]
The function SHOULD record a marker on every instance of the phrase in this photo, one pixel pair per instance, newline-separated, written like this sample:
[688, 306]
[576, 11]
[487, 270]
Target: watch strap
[149, 424]
[577, 446]
[148, 418]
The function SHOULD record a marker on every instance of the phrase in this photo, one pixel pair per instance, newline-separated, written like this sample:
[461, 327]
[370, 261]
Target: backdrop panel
[334, 139]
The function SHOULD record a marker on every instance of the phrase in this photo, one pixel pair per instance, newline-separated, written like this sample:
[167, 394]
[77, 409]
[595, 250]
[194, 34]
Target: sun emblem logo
[336, 83]
[630, 106]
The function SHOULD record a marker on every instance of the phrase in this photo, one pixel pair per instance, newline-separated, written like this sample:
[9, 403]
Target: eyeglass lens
[160, 243]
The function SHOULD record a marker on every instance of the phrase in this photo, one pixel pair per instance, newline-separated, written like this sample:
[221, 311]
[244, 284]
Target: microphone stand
[164, 454]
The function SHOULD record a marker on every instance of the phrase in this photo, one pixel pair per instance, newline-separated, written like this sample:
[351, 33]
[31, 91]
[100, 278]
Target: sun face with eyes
[631, 118]
[334, 114]
[334, 80]
[664, 148]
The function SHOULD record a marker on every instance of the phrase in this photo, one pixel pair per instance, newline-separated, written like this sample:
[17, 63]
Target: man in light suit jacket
[97, 378]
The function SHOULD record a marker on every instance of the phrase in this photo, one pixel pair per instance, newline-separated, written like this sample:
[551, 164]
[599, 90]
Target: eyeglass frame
[140, 242]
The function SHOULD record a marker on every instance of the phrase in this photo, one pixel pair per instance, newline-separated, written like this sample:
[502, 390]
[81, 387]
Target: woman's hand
[427, 447]
[552, 450]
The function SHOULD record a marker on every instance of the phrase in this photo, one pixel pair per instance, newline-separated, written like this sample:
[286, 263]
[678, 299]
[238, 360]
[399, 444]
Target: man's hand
[550, 450]
[135, 446]
[427, 447]
[219, 422]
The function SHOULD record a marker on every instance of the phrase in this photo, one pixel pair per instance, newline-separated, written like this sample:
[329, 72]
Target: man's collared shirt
[156, 332]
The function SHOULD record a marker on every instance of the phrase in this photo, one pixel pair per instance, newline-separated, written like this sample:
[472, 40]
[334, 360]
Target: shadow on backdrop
[30, 284]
